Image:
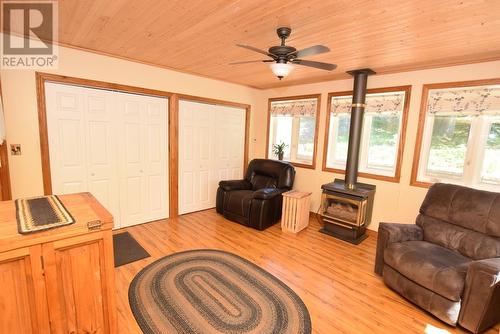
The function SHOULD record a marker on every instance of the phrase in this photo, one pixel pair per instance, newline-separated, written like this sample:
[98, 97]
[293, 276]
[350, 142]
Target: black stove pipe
[356, 127]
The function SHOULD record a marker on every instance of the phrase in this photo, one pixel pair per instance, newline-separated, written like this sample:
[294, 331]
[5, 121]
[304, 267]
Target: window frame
[316, 128]
[402, 136]
[422, 124]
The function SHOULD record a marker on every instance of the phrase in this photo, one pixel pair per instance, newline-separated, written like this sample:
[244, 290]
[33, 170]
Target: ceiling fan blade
[248, 47]
[310, 51]
[251, 61]
[315, 64]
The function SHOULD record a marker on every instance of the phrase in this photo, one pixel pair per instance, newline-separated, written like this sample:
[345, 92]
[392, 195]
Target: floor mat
[127, 249]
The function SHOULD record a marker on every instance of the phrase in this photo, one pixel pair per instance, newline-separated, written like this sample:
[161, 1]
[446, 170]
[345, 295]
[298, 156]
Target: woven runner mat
[41, 213]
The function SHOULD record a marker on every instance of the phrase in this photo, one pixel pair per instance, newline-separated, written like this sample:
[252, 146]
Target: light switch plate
[15, 149]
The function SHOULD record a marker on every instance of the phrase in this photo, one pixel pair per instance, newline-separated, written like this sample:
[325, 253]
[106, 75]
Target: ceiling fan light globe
[281, 70]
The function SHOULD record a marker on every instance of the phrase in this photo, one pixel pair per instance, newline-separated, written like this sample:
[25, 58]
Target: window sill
[301, 165]
[421, 184]
[393, 179]
[296, 164]
[480, 186]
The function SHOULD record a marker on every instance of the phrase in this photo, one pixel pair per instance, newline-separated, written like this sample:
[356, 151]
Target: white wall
[394, 202]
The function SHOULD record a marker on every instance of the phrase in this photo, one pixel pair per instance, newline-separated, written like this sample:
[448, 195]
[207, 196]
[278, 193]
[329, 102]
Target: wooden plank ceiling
[199, 36]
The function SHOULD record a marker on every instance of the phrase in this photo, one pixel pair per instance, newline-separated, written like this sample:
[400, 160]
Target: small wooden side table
[295, 214]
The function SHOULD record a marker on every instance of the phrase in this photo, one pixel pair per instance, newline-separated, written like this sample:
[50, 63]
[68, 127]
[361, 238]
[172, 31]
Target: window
[383, 127]
[293, 122]
[459, 136]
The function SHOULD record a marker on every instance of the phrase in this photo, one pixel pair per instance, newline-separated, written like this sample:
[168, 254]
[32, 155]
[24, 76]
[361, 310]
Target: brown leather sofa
[449, 262]
[256, 201]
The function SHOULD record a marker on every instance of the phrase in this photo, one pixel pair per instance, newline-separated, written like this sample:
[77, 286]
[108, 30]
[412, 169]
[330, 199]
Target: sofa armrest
[235, 185]
[267, 193]
[389, 233]
[481, 300]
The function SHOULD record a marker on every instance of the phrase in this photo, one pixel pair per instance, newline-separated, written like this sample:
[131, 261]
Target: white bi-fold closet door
[113, 145]
[211, 149]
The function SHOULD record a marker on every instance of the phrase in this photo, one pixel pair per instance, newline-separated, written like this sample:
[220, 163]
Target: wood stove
[345, 213]
[347, 205]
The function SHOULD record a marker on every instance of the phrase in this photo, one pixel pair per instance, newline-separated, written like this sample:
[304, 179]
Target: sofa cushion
[477, 246]
[282, 172]
[443, 308]
[262, 181]
[473, 209]
[238, 202]
[431, 266]
[231, 185]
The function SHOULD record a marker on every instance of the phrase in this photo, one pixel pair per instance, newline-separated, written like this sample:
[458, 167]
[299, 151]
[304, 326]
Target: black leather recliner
[256, 201]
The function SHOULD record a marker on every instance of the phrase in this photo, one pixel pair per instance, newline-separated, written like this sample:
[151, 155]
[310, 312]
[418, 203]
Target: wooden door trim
[207, 100]
[316, 127]
[173, 123]
[99, 84]
[6, 189]
[404, 122]
[173, 158]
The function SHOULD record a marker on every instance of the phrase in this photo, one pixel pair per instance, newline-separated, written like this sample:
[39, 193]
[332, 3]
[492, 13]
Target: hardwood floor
[334, 279]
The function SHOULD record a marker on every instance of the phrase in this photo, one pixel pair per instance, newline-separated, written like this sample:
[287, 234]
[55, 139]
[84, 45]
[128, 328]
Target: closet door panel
[222, 156]
[82, 143]
[211, 146]
[143, 154]
[66, 128]
[204, 189]
[113, 145]
[187, 172]
[132, 155]
[236, 138]
[187, 153]
[195, 155]
[101, 145]
[205, 143]
[229, 158]
[156, 169]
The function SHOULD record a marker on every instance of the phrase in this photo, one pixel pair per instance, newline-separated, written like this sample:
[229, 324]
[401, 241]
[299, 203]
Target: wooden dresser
[60, 280]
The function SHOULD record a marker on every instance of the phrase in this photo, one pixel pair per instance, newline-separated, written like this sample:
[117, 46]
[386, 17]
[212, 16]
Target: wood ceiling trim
[102, 53]
[491, 56]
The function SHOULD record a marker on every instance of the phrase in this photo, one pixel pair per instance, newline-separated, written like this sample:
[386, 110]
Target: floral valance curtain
[377, 103]
[464, 101]
[294, 108]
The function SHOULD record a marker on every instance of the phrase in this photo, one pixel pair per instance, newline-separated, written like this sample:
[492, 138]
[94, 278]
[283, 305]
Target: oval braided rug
[211, 291]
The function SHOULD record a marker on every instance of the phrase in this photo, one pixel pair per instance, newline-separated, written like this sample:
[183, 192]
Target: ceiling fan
[284, 57]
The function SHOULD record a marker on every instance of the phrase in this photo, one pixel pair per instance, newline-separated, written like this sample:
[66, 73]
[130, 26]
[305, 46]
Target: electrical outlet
[15, 149]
